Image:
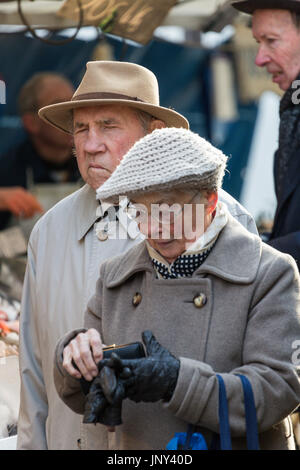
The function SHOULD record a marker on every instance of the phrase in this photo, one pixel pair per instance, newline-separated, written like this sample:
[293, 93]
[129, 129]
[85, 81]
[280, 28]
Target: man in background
[276, 28]
[44, 157]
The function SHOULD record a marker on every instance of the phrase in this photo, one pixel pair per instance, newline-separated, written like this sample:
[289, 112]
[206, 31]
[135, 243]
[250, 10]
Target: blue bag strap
[250, 412]
[225, 435]
[190, 431]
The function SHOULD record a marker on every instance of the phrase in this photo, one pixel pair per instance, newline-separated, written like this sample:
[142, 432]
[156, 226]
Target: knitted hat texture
[163, 160]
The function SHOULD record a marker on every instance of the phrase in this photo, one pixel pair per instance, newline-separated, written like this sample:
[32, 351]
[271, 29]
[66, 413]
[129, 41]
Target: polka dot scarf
[183, 266]
[187, 263]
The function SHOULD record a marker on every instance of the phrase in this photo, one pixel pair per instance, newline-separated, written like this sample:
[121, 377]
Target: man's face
[279, 45]
[102, 136]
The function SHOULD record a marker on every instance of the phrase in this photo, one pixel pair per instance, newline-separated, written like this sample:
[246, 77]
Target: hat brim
[250, 6]
[60, 115]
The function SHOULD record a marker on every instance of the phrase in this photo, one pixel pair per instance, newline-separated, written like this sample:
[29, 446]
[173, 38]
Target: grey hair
[28, 101]
[144, 118]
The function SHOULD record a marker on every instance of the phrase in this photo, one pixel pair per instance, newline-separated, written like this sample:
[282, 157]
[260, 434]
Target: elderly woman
[207, 297]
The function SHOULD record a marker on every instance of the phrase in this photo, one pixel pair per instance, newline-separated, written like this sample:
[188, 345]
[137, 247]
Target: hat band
[104, 96]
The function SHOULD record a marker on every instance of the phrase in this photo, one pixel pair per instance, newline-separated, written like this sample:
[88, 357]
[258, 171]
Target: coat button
[200, 300]
[102, 235]
[137, 298]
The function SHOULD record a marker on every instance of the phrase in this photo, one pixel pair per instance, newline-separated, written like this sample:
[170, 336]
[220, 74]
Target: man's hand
[20, 202]
[84, 351]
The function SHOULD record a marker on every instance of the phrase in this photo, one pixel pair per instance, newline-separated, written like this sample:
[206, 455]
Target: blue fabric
[196, 442]
[225, 436]
[250, 411]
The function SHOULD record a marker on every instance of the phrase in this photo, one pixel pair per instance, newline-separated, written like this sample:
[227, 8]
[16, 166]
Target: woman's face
[173, 220]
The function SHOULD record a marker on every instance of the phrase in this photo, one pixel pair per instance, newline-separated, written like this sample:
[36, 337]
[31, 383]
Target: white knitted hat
[166, 159]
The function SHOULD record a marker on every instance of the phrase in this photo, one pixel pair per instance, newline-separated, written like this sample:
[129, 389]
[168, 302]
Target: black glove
[103, 403]
[95, 403]
[149, 379]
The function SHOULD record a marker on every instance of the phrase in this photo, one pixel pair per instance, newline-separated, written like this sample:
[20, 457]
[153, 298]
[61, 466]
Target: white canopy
[189, 14]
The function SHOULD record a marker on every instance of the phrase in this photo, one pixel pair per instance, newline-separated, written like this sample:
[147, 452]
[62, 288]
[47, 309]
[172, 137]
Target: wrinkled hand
[19, 201]
[148, 379]
[81, 355]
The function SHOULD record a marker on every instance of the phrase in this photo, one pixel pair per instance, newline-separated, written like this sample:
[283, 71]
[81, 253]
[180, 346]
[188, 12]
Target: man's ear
[212, 200]
[156, 124]
[31, 123]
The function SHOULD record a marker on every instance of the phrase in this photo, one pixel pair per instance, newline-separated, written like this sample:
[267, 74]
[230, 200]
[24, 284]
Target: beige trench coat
[248, 326]
[64, 257]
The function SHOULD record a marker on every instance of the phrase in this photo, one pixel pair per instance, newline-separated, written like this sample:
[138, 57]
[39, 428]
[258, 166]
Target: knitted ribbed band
[165, 159]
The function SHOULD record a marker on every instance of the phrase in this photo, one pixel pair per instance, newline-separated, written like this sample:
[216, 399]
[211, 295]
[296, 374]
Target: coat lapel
[236, 255]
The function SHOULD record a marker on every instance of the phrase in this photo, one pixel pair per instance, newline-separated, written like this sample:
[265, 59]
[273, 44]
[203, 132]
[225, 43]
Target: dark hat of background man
[249, 6]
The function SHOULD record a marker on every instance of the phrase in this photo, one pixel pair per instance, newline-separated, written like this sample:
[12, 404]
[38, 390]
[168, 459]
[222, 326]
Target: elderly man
[115, 105]
[45, 156]
[206, 288]
[276, 28]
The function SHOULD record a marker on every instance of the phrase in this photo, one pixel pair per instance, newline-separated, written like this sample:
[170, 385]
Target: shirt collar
[89, 210]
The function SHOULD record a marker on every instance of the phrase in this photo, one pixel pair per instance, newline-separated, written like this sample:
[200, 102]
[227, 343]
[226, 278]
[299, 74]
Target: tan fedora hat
[249, 6]
[112, 82]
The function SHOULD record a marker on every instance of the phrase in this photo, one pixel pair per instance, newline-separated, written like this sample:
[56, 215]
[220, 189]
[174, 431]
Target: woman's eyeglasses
[161, 213]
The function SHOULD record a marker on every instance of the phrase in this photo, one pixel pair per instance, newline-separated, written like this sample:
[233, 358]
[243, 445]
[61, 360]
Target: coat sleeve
[272, 331]
[68, 387]
[33, 399]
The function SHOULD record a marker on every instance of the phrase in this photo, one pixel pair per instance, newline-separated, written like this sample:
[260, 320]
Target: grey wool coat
[249, 325]
[64, 255]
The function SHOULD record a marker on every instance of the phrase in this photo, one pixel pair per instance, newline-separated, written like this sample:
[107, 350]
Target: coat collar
[236, 255]
[286, 100]
[293, 178]
[88, 209]
[235, 258]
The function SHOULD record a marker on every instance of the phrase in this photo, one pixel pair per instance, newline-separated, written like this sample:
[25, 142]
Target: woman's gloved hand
[149, 379]
[95, 403]
[103, 402]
